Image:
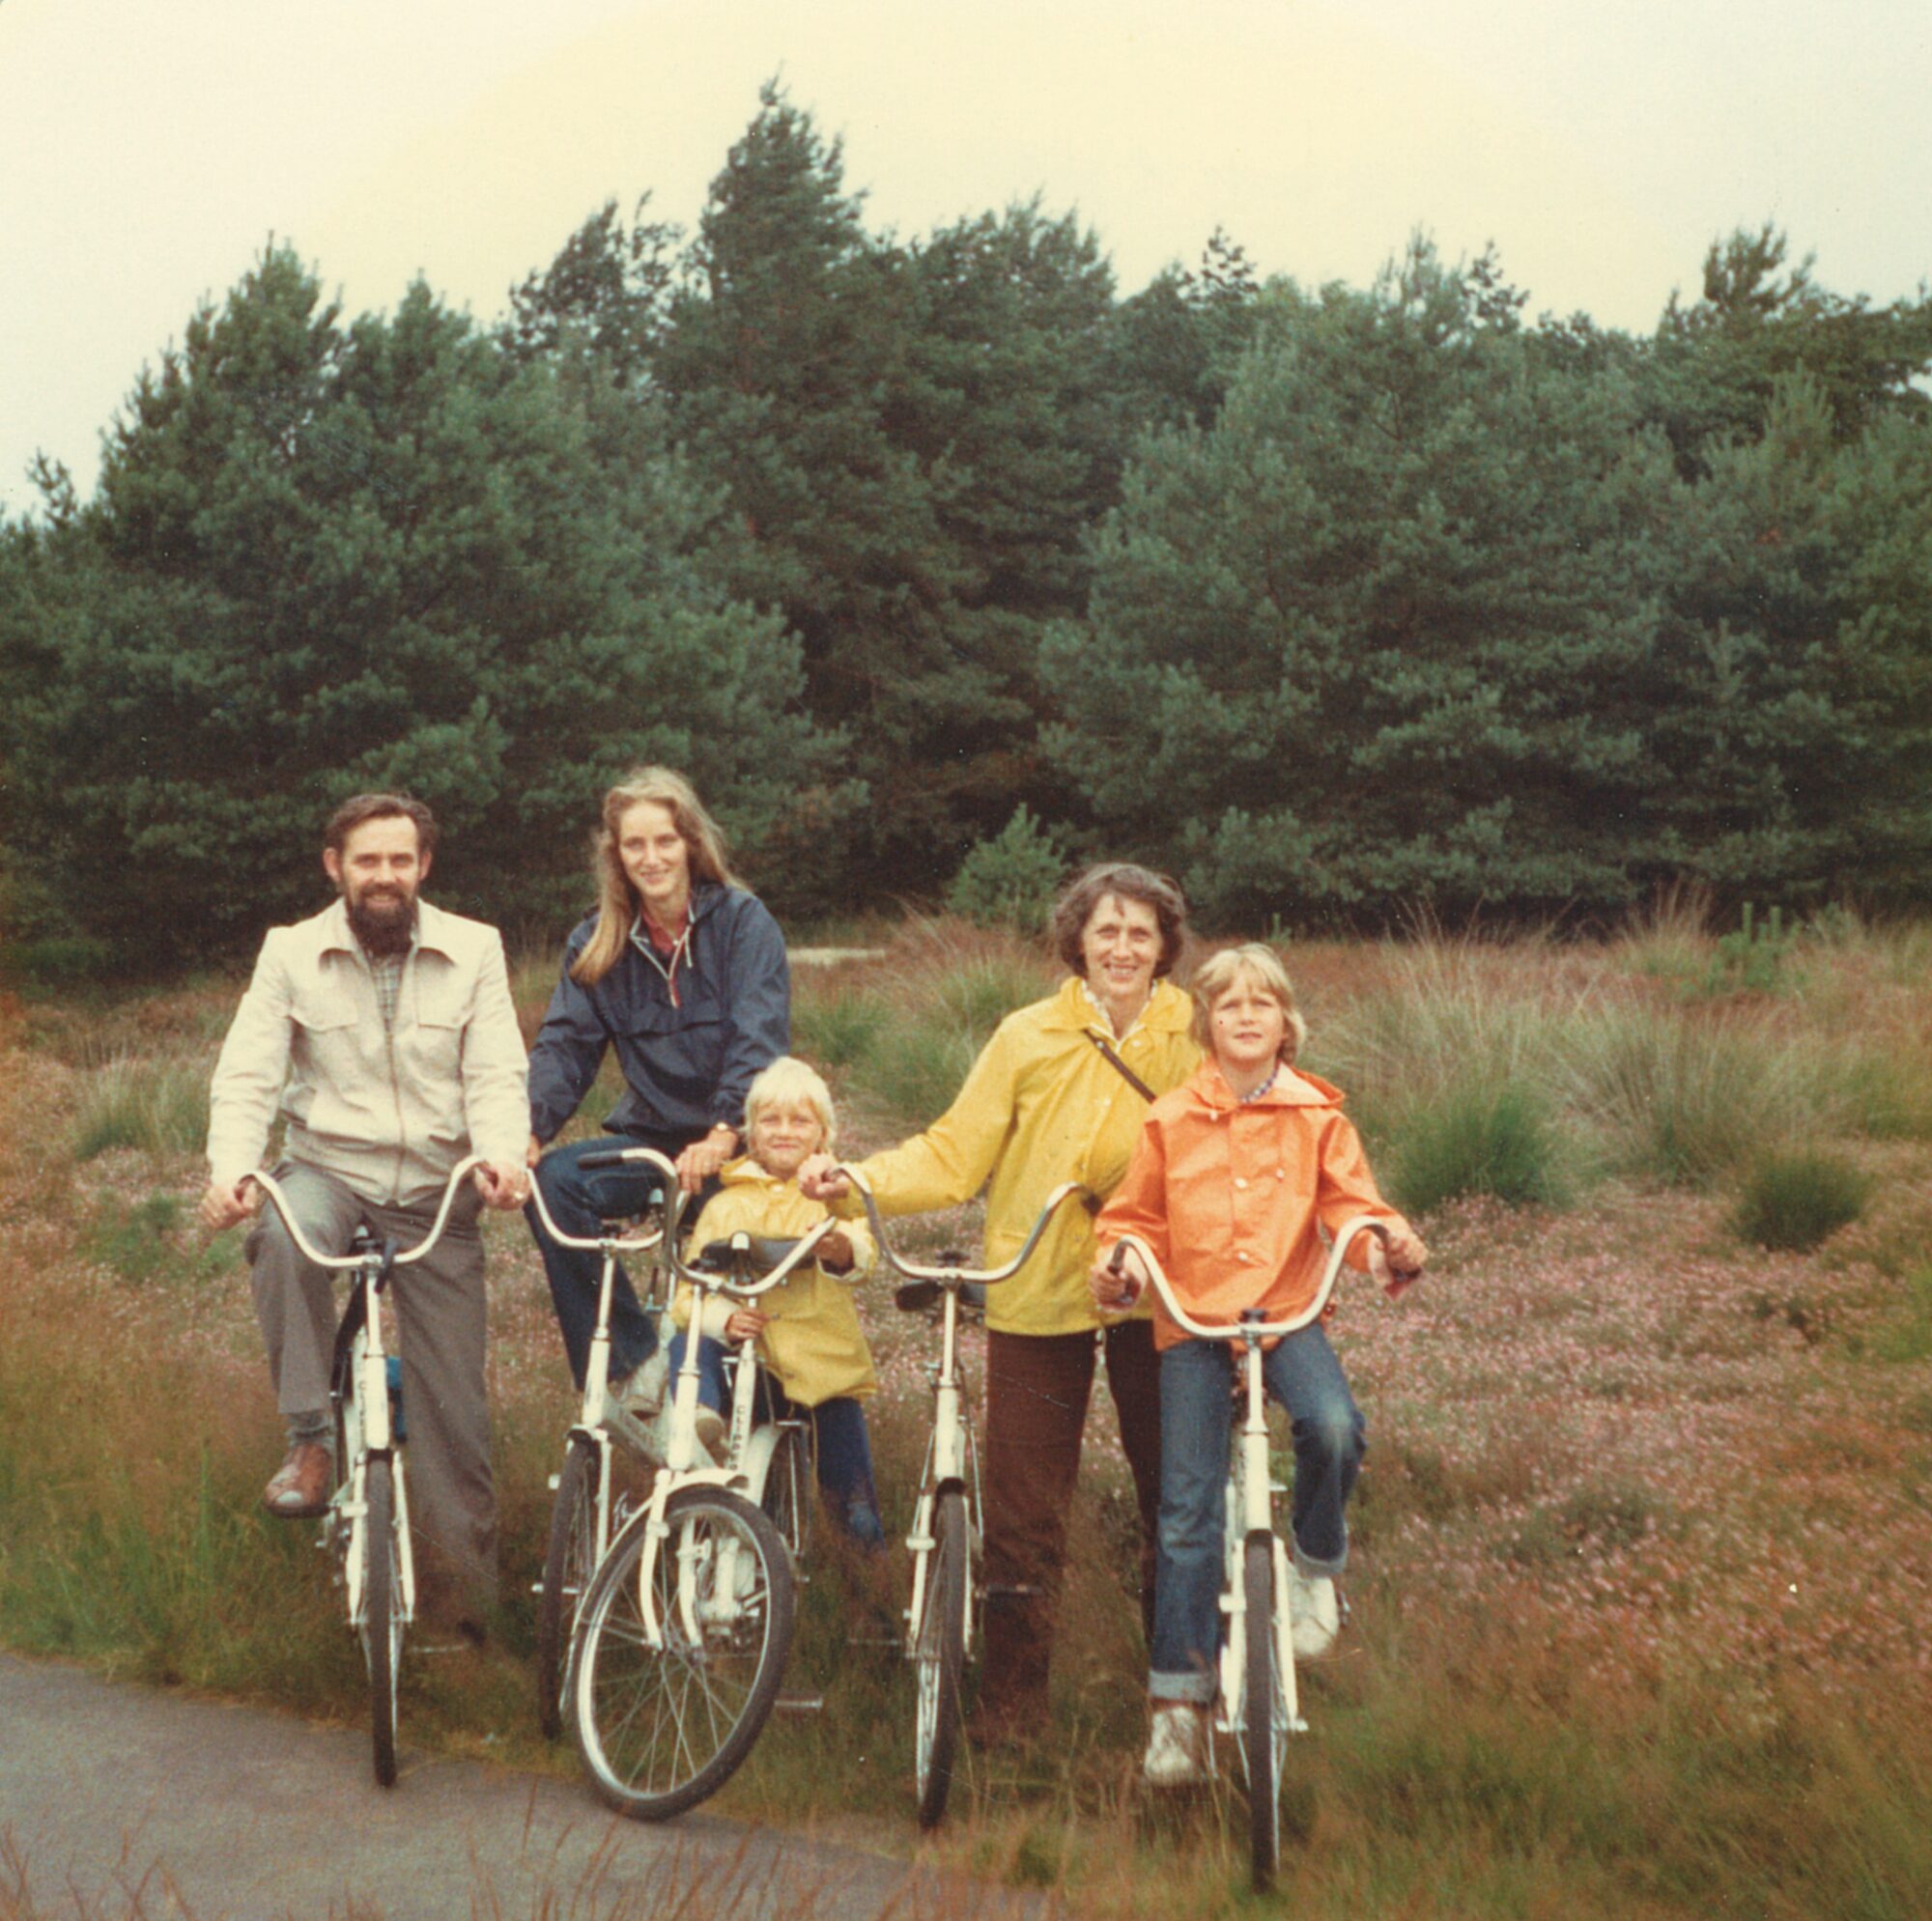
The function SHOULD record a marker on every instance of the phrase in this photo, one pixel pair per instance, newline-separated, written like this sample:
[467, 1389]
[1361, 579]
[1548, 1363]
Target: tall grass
[1447, 1064]
[158, 1105]
[1688, 1100]
[906, 1040]
[1588, 1449]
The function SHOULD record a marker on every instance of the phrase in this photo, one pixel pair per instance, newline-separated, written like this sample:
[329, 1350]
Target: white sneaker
[712, 1429]
[1314, 1615]
[1177, 1744]
[643, 1394]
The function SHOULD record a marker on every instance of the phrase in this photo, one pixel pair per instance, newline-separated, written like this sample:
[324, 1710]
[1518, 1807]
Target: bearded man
[382, 1031]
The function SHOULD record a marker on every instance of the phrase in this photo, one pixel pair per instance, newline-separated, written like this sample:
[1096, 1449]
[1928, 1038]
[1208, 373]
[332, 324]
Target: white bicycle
[366, 1525]
[1257, 1705]
[683, 1635]
[946, 1535]
[589, 1508]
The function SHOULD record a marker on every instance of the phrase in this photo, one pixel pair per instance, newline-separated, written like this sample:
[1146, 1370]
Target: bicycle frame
[1251, 1489]
[361, 1391]
[952, 1459]
[682, 1469]
[599, 1417]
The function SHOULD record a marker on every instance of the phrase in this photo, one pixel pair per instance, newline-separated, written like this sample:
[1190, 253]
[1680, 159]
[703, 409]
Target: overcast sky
[147, 151]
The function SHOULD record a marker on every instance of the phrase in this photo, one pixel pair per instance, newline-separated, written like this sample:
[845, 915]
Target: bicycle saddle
[760, 1254]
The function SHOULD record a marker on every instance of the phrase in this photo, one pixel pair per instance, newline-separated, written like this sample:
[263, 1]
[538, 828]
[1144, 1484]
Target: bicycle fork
[1249, 1516]
[950, 1461]
[374, 1438]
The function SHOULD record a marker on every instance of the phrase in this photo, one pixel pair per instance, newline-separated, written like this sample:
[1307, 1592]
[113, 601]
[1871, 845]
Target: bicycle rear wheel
[660, 1728]
[1264, 1708]
[788, 1492]
[382, 1629]
[939, 1653]
[569, 1562]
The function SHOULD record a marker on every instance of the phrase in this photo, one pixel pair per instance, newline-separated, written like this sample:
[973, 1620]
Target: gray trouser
[435, 1314]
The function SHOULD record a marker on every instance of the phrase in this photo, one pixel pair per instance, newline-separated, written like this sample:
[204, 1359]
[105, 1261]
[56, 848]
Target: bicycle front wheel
[569, 1562]
[1265, 1707]
[381, 1611]
[939, 1653]
[659, 1727]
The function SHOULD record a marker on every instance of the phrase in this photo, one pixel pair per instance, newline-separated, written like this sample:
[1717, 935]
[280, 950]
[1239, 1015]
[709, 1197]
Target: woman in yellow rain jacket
[1058, 1094]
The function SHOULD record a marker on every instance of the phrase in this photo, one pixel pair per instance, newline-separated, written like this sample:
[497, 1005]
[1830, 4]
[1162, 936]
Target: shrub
[914, 1070]
[835, 1029]
[152, 1239]
[1480, 1135]
[1751, 958]
[158, 1106]
[1009, 880]
[1792, 1201]
[59, 961]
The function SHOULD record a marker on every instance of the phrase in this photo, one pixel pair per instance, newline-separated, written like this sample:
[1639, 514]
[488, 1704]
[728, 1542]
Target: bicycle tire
[1263, 1708]
[661, 1729]
[939, 1658]
[570, 1560]
[382, 1628]
[787, 1492]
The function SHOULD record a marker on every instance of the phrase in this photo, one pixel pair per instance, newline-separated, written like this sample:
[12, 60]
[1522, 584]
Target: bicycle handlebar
[273, 1188]
[953, 1277]
[670, 1202]
[1248, 1330]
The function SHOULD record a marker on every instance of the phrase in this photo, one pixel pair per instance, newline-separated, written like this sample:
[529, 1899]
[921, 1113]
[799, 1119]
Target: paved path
[117, 1803]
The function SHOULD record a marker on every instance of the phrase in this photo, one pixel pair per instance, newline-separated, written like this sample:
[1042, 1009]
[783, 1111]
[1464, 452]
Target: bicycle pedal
[799, 1704]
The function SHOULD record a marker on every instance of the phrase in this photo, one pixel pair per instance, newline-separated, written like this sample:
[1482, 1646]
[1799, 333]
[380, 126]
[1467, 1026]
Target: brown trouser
[438, 1323]
[1036, 1392]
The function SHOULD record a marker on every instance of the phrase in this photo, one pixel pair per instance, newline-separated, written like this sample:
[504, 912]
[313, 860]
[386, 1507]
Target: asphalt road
[118, 1803]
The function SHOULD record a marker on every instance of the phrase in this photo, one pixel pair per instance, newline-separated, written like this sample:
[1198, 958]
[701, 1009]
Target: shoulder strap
[1119, 1066]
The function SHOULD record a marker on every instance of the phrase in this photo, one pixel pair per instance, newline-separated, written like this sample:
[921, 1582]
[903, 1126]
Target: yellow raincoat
[1041, 1105]
[812, 1341]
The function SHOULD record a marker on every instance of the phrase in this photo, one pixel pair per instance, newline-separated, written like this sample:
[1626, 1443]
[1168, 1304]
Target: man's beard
[384, 926]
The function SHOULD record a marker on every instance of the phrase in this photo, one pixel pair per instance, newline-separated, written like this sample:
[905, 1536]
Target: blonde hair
[1262, 965]
[790, 1082]
[616, 898]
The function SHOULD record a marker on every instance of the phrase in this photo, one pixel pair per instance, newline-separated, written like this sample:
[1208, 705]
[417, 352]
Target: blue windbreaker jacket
[687, 1062]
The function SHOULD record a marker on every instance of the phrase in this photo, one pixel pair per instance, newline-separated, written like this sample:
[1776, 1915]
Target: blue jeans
[840, 1446]
[1302, 1374]
[579, 1203]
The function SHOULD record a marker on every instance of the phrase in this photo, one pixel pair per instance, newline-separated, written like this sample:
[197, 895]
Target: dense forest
[1339, 603]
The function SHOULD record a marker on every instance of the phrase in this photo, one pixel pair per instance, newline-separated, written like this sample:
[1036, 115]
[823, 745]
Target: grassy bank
[1642, 1576]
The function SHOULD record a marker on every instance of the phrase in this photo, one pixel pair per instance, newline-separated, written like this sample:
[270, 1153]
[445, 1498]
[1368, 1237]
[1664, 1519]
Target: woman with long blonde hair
[683, 971]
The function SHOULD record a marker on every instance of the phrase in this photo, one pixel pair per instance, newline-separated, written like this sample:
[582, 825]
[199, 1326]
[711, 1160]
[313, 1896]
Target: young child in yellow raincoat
[807, 1327]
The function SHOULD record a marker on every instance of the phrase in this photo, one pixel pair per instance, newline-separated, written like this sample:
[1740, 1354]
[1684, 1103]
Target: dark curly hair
[1076, 907]
[361, 807]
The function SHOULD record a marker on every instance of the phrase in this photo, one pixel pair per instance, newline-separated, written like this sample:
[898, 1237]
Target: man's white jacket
[389, 1111]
